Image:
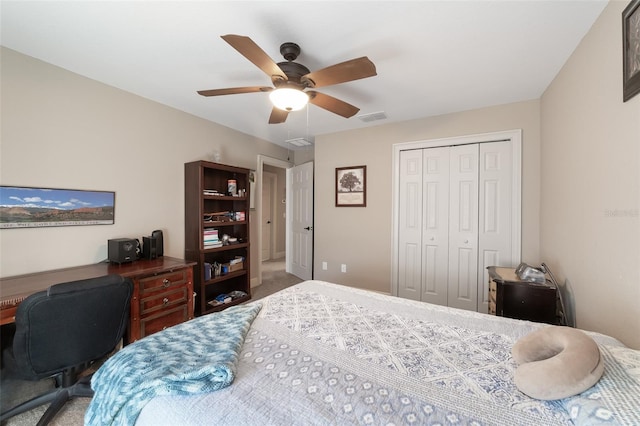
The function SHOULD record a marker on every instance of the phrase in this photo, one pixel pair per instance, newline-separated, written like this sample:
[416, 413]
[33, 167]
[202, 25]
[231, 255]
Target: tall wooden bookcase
[210, 206]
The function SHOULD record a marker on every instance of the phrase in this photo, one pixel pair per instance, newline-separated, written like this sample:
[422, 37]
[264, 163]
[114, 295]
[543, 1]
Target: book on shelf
[210, 234]
[210, 238]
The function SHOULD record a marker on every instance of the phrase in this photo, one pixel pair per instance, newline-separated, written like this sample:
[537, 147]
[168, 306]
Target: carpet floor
[14, 391]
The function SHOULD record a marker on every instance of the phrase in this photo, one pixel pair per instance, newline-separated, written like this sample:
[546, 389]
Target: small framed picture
[351, 186]
[631, 50]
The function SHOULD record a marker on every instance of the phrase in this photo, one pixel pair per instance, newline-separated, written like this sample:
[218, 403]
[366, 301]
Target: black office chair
[60, 332]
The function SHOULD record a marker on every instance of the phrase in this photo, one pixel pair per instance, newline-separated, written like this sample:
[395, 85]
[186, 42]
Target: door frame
[271, 179]
[262, 160]
[514, 136]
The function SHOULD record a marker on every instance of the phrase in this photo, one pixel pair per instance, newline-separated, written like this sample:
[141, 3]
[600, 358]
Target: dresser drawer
[163, 300]
[163, 281]
[163, 319]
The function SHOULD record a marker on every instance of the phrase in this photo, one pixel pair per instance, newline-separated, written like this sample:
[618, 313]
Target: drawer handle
[165, 301]
[166, 283]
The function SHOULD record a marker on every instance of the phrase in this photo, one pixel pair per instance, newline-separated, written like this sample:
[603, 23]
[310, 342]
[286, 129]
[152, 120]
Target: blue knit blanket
[194, 357]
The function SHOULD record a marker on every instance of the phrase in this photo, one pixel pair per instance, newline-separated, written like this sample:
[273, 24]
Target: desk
[162, 294]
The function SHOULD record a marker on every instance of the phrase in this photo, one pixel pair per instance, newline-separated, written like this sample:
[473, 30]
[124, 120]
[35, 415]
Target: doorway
[271, 192]
[273, 214]
[298, 184]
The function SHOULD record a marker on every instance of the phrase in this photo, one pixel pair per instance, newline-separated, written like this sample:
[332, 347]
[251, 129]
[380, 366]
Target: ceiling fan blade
[255, 54]
[234, 91]
[354, 69]
[278, 116]
[332, 104]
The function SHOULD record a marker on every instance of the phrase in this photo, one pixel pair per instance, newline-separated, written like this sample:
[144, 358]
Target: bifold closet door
[410, 225]
[438, 235]
[454, 220]
[495, 219]
[424, 225]
[463, 227]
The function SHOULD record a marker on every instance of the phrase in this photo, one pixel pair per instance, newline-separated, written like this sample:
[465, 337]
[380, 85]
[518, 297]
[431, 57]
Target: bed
[320, 353]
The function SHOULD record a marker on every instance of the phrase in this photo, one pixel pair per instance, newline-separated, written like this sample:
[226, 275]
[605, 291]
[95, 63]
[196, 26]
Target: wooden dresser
[162, 297]
[162, 294]
[511, 297]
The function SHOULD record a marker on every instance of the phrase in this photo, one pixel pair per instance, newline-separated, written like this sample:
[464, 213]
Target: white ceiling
[432, 57]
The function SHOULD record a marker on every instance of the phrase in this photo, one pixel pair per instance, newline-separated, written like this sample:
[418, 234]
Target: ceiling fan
[292, 80]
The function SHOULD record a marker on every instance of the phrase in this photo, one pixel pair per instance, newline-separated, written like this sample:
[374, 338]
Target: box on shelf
[236, 264]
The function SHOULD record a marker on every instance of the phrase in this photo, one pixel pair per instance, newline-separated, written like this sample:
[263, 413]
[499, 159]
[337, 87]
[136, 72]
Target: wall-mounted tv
[26, 207]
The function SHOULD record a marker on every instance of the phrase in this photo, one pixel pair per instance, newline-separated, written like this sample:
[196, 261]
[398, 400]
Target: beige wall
[62, 130]
[361, 237]
[590, 218]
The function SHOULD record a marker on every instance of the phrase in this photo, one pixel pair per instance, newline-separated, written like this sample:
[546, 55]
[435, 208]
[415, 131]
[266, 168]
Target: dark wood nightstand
[511, 297]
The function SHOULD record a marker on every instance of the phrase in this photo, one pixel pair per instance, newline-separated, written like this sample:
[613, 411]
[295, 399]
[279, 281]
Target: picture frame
[30, 207]
[351, 186]
[631, 50]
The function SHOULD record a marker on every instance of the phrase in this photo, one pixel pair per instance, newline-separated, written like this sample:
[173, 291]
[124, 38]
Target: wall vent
[300, 141]
[374, 116]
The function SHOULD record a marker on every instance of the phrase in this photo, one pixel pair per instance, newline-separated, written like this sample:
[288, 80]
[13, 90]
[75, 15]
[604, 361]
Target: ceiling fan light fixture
[288, 99]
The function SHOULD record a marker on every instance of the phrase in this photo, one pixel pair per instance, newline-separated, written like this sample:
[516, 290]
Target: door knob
[308, 228]
[268, 222]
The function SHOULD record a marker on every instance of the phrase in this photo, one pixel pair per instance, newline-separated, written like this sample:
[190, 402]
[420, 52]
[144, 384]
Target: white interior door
[301, 212]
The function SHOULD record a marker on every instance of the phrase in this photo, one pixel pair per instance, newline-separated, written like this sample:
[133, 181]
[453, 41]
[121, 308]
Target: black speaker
[149, 248]
[157, 234]
[122, 250]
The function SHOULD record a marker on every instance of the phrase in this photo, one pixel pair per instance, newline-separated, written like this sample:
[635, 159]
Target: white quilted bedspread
[323, 354]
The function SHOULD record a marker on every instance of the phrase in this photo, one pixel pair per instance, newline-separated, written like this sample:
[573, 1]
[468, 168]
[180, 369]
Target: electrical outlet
[324, 266]
[343, 268]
